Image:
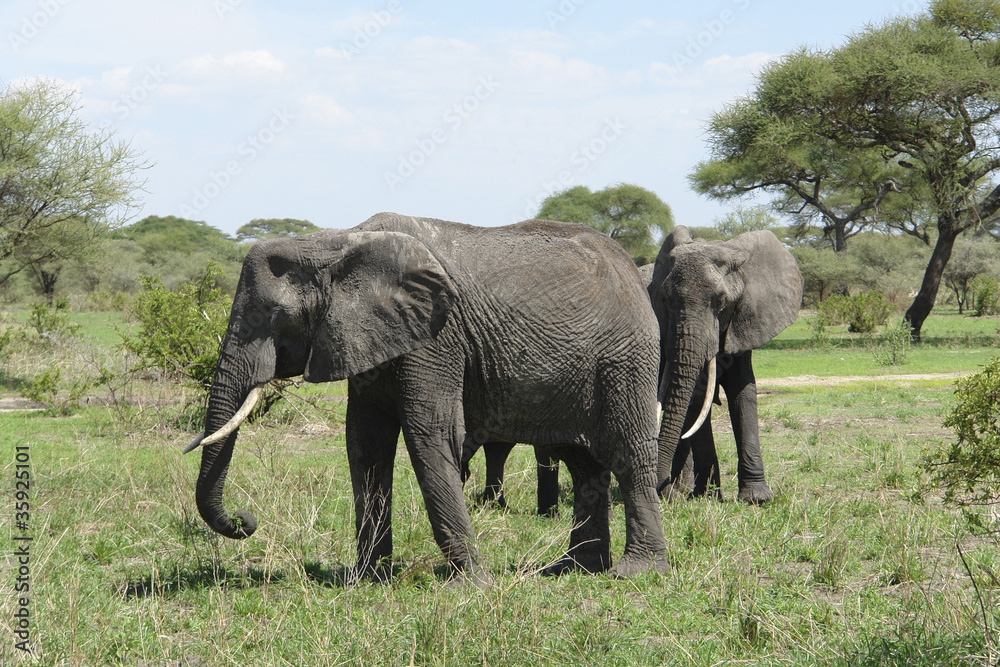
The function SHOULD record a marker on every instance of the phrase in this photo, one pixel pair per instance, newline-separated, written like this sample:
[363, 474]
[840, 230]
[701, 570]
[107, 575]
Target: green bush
[969, 469]
[61, 396]
[51, 324]
[861, 312]
[986, 295]
[179, 330]
[890, 347]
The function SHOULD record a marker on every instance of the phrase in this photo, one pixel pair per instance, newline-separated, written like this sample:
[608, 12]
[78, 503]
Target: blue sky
[472, 112]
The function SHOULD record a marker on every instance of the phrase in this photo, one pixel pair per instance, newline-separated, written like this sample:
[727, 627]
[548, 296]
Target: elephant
[716, 301]
[538, 332]
[547, 467]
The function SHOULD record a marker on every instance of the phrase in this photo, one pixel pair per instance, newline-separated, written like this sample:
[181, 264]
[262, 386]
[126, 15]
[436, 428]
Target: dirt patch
[810, 380]
[19, 404]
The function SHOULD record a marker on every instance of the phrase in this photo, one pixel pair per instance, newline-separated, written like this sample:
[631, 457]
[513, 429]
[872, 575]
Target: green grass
[853, 563]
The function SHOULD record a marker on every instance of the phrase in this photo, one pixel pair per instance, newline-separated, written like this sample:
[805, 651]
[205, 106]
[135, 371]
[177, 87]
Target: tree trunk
[840, 236]
[923, 303]
[48, 282]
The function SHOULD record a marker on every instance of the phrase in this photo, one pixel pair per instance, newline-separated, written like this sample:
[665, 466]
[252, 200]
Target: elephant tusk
[194, 444]
[707, 405]
[251, 401]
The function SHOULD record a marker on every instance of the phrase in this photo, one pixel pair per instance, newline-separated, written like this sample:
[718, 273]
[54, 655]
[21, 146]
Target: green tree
[743, 219]
[259, 229]
[46, 251]
[59, 179]
[823, 271]
[176, 249]
[759, 144]
[972, 256]
[634, 216]
[909, 105]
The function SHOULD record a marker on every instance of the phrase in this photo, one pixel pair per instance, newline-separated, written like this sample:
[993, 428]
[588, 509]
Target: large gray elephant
[716, 301]
[539, 332]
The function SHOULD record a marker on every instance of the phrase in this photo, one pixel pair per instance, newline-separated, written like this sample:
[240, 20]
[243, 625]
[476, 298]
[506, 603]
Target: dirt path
[19, 405]
[808, 380]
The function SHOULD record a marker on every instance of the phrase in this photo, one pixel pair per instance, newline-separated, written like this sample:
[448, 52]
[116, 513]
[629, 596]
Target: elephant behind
[546, 467]
[539, 332]
[717, 301]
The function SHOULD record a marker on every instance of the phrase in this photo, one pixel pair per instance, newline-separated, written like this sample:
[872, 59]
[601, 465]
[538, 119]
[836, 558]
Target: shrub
[52, 324]
[890, 347]
[179, 330]
[986, 295]
[969, 469]
[861, 312]
[179, 333]
[61, 396]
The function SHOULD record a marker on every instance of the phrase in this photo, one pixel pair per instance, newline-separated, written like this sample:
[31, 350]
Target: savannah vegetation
[857, 560]
[879, 548]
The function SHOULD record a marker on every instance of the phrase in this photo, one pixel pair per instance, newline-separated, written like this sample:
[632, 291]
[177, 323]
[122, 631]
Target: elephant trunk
[215, 458]
[684, 357]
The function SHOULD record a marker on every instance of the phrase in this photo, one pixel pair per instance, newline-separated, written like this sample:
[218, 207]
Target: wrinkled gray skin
[719, 299]
[539, 332]
[547, 468]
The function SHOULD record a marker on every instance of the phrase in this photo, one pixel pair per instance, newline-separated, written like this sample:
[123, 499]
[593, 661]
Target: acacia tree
[741, 219]
[259, 229]
[921, 94]
[758, 144]
[632, 215]
[58, 179]
[47, 250]
[971, 257]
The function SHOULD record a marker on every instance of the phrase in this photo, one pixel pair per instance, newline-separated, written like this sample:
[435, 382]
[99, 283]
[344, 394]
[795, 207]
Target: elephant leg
[590, 538]
[496, 458]
[371, 451]
[741, 391]
[645, 548]
[548, 482]
[705, 462]
[436, 464]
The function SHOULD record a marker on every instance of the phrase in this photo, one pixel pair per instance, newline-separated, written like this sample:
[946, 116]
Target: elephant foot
[674, 491]
[590, 563]
[550, 512]
[380, 574]
[712, 492]
[470, 576]
[493, 497]
[755, 493]
[635, 564]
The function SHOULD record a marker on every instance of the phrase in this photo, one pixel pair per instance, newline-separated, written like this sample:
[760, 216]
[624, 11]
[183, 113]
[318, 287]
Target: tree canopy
[61, 183]
[904, 109]
[634, 216]
[259, 229]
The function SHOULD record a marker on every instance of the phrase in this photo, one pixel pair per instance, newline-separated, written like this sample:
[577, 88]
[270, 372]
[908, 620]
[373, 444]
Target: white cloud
[751, 63]
[325, 110]
[719, 73]
[249, 64]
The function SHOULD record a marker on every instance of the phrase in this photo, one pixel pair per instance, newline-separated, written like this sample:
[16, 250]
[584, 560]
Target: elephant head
[327, 306]
[714, 299]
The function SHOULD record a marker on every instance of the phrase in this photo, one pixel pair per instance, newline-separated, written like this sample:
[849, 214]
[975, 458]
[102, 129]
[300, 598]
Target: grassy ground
[852, 563]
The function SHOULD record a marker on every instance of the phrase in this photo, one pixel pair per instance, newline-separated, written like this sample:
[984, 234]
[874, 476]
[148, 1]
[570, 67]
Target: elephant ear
[387, 295]
[772, 294]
